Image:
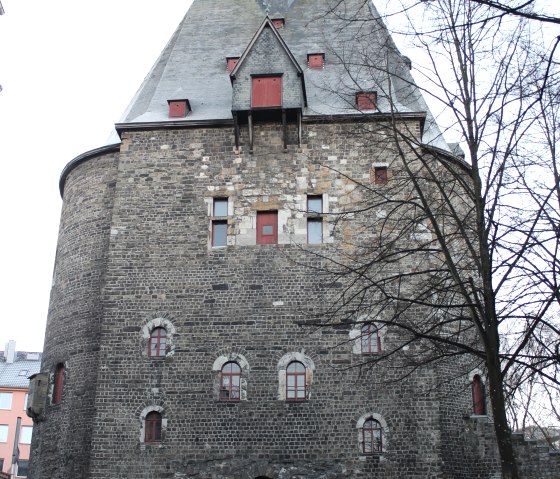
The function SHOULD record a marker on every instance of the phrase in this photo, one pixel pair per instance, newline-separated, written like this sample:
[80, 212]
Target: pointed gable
[267, 74]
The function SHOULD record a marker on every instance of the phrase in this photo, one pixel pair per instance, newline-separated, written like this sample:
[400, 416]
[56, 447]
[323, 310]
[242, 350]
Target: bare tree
[458, 257]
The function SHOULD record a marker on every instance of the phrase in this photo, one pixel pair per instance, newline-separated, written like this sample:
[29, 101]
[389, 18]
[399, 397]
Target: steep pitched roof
[359, 55]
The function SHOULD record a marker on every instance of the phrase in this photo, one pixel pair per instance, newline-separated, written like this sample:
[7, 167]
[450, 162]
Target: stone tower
[178, 342]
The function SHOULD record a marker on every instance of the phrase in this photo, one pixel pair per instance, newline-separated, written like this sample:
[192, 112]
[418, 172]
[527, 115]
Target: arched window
[230, 383]
[152, 431]
[156, 346]
[295, 381]
[58, 389]
[372, 435]
[478, 396]
[371, 344]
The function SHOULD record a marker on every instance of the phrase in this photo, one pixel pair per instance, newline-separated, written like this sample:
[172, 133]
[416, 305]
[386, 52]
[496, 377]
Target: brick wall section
[134, 246]
[61, 442]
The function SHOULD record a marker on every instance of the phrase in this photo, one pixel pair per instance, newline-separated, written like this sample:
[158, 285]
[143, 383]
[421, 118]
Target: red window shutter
[316, 60]
[177, 108]
[58, 384]
[278, 23]
[267, 227]
[267, 91]
[366, 100]
[381, 176]
[231, 62]
[479, 403]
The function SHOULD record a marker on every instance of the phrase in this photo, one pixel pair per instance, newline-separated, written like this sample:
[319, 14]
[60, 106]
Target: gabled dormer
[267, 81]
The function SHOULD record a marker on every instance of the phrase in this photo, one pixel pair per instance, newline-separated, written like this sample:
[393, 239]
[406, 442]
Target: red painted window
[372, 437]
[316, 60]
[267, 91]
[295, 382]
[58, 384]
[371, 344]
[381, 175]
[153, 427]
[158, 339]
[230, 387]
[267, 227]
[278, 23]
[366, 100]
[231, 62]
[178, 108]
[478, 394]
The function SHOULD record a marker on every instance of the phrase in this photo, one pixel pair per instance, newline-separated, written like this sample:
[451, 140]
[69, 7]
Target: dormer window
[178, 108]
[266, 91]
[366, 100]
[278, 23]
[316, 60]
[231, 62]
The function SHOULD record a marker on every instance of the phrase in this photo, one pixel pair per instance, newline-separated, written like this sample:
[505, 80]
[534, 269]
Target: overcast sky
[68, 69]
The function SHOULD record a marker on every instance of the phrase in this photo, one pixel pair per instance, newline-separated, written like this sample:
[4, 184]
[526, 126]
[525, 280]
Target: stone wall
[135, 251]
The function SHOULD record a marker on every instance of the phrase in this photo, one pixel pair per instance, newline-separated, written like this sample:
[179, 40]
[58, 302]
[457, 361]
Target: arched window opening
[58, 384]
[153, 427]
[478, 395]
[372, 434]
[158, 340]
[230, 384]
[371, 344]
[295, 382]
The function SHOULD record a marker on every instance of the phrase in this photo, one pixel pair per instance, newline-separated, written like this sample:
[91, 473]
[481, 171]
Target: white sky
[68, 69]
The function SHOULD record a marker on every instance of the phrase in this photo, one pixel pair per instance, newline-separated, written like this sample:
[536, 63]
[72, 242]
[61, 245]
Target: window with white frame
[25, 434]
[3, 433]
[6, 400]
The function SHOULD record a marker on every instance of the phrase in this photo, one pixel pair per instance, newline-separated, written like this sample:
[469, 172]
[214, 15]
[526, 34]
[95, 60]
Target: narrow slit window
[478, 394]
[58, 384]
[314, 220]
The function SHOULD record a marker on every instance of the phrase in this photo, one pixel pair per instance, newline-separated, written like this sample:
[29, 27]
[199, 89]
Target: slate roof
[359, 57]
[16, 374]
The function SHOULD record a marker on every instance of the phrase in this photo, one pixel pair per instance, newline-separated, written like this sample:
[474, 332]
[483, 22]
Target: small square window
[231, 62]
[366, 100]
[381, 175]
[316, 60]
[219, 233]
[178, 108]
[5, 400]
[278, 23]
[220, 207]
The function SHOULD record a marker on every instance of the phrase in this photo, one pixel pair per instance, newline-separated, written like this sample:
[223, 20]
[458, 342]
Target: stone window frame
[147, 410]
[355, 335]
[282, 366]
[147, 329]
[384, 433]
[241, 361]
[219, 220]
